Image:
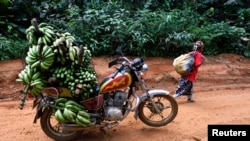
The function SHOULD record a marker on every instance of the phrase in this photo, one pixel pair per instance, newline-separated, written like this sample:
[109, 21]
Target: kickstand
[104, 134]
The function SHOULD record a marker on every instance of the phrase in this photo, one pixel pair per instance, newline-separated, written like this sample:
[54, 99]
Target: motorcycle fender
[151, 93]
[39, 110]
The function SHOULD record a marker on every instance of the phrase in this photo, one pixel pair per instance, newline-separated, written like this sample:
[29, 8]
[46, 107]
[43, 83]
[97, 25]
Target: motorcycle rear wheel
[168, 109]
[51, 127]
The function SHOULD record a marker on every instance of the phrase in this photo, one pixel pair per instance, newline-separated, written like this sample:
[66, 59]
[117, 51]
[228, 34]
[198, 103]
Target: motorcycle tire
[51, 127]
[168, 109]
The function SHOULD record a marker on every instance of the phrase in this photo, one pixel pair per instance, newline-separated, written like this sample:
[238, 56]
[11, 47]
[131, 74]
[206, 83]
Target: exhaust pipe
[75, 127]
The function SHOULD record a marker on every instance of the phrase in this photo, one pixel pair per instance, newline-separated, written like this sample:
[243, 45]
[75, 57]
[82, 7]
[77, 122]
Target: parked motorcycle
[111, 101]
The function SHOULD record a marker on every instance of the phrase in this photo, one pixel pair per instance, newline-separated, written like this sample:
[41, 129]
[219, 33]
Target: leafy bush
[12, 49]
[148, 28]
[220, 37]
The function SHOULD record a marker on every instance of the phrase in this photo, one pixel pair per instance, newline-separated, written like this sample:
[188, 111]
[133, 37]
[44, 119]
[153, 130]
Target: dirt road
[221, 93]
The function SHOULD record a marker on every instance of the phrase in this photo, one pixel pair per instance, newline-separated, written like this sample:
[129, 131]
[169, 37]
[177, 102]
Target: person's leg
[183, 87]
[190, 94]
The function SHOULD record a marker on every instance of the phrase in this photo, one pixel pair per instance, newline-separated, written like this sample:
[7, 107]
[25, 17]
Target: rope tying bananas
[56, 55]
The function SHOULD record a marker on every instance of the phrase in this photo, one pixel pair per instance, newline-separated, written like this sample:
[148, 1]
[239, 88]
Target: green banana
[40, 41]
[80, 123]
[71, 53]
[42, 25]
[71, 102]
[25, 78]
[73, 108]
[30, 29]
[44, 66]
[66, 34]
[69, 115]
[49, 56]
[61, 105]
[46, 50]
[35, 64]
[59, 116]
[47, 39]
[19, 80]
[44, 40]
[21, 75]
[37, 88]
[49, 31]
[83, 120]
[28, 60]
[84, 114]
[36, 82]
[36, 76]
[61, 100]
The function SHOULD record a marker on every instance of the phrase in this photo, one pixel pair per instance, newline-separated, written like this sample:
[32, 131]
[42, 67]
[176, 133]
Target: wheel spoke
[167, 108]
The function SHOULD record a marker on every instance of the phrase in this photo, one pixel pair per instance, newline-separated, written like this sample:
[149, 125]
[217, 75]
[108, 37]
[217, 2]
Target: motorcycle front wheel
[167, 106]
[51, 127]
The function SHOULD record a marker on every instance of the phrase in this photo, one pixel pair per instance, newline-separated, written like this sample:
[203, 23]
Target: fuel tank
[120, 81]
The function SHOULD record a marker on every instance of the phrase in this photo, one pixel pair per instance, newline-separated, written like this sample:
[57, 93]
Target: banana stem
[37, 30]
[80, 55]
[63, 48]
[40, 51]
[35, 24]
[23, 98]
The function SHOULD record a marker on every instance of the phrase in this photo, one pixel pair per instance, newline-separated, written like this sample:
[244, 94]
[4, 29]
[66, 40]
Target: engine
[114, 105]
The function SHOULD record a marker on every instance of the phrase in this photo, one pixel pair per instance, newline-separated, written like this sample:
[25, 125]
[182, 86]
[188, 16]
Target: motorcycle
[110, 102]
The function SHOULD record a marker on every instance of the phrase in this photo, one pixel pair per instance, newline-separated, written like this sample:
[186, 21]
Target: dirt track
[221, 93]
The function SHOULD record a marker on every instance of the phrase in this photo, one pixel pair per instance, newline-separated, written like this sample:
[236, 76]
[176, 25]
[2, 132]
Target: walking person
[185, 86]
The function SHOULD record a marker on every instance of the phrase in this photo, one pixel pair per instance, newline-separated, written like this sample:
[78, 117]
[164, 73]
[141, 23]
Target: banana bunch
[31, 78]
[25, 75]
[40, 57]
[42, 34]
[71, 64]
[37, 84]
[71, 111]
[63, 46]
[86, 77]
[64, 73]
[70, 77]
[87, 57]
[83, 118]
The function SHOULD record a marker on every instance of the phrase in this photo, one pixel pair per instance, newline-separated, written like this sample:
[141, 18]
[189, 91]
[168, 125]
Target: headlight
[144, 67]
[143, 71]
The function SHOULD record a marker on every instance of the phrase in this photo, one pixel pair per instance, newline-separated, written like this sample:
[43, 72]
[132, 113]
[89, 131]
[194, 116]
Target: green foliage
[220, 37]
[12, 49]
[146, 27]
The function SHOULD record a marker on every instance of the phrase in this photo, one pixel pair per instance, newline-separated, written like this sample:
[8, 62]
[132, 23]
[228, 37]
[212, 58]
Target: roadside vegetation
[152, 28]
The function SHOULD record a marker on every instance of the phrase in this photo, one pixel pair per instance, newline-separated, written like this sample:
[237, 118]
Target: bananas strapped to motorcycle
[60, 76]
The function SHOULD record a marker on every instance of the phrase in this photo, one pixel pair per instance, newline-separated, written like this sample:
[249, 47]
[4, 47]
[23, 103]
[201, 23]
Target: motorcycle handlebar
[118, 70]
[118, 61]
